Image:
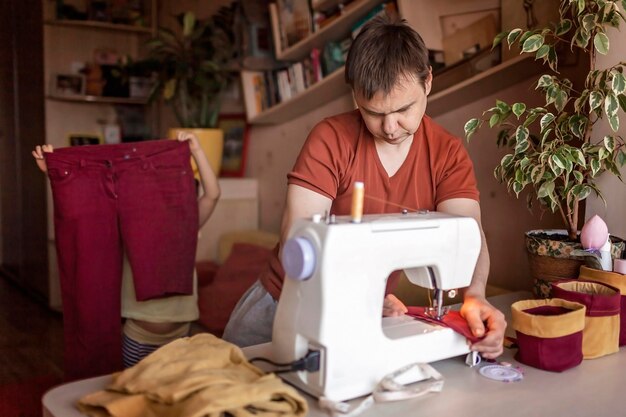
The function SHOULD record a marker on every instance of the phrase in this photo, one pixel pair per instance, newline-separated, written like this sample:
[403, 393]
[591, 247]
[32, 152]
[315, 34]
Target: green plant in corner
[553, 150]
[194, 66]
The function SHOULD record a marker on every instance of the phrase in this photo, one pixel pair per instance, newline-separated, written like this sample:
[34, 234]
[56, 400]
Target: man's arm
[301, 203]
[476, 310]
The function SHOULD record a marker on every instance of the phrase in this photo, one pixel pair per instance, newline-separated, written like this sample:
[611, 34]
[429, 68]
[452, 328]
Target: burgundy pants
[135, 197]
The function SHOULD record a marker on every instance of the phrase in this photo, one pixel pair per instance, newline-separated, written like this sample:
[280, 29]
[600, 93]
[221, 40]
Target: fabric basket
[549, 333]
[602, 302]
[615, 280]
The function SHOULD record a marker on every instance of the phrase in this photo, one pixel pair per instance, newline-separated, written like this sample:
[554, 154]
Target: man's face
[395, 117]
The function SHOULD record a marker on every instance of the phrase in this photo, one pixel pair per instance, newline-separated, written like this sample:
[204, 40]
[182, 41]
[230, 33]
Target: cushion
[240, 270]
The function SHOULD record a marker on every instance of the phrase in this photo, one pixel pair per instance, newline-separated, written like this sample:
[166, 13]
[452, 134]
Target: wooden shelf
[315, 96]
[99, 99]
[483, 84]
[464, 92]
[92, 24]
[335, 31]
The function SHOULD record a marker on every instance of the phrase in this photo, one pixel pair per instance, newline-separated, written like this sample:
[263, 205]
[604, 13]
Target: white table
[594, 388]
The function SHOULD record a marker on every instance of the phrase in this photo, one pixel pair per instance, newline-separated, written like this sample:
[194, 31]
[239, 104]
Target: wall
[613, 190]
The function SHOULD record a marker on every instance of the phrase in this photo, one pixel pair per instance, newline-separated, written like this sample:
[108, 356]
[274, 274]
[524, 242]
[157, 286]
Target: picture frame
[236, 136]
[68, 85]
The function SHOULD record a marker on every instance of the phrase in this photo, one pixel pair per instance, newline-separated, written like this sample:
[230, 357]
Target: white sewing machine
[333, 294]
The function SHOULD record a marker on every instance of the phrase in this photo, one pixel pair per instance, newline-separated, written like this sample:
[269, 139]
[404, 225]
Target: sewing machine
[332, 297]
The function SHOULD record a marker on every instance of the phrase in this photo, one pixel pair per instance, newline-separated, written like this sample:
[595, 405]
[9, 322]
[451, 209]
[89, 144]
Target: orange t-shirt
[340, 150]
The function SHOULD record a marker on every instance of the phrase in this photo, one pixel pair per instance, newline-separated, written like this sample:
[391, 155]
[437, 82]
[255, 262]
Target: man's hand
[38, 155]
[392, 307]
[484, 320]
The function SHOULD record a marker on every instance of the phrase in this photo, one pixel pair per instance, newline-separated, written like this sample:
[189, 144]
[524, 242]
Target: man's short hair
[385, 50]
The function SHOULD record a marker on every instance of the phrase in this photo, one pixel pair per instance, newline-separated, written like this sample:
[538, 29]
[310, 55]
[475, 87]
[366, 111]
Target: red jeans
[134, 197]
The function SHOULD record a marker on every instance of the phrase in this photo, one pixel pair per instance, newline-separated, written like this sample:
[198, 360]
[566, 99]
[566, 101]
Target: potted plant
[553, 150]
[193, 67]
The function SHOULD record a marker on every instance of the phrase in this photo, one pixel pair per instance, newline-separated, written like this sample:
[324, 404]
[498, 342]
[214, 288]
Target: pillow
[240, 270]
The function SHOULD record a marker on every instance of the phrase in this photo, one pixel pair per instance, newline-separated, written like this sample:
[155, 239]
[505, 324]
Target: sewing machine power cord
[309, 362]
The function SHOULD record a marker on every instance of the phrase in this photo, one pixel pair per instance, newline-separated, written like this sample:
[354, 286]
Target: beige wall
[613, 190]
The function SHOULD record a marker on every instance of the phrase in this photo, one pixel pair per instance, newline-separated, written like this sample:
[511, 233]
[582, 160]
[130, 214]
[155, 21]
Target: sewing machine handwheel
[298, 258]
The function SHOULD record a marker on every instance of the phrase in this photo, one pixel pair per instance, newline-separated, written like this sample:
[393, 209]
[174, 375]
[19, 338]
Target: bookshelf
[315, 93]
[464, 86]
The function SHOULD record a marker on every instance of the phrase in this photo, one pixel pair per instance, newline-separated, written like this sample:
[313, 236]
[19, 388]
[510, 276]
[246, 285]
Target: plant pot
[212, 143]
[549, 257]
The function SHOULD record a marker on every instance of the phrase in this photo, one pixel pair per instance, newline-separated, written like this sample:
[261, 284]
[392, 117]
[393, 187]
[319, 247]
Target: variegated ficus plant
[554, 153]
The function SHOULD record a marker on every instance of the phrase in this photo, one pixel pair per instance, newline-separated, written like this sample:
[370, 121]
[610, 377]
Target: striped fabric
[133, 351]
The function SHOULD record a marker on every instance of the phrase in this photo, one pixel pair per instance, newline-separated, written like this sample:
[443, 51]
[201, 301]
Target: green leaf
[544, 81]
[614, 123]
[560, 100]
[506, 161]
[494, 119]
[519, 109]
[618, 84]
[559, 161]
[522, 146]
[601, 43]
[517, 188]
[621, 157]
[533, 43]
[537, 173]
[521, 134]
[470, 127]
[579, 176]
[579, 157]
[502, 106]
[498, 39]
[595, 99]
[622, 101]
[581, 191]
[546, 120]
[589, 21]
[564, 26]
[512, 36]
[546, 189]
[189, 22]
[609, 143]
[595, 166]
[542, 52]
[611, 104]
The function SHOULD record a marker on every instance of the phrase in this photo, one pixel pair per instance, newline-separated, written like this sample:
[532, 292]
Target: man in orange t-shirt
[405, 160]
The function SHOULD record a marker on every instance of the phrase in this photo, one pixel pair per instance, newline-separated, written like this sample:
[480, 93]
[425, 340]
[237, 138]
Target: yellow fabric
[548, 326]
[193, 377]
[174, 309]
[601, 336]
[613, 279]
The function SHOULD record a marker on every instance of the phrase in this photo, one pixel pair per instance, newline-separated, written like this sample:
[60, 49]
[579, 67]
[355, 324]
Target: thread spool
[358, 193]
